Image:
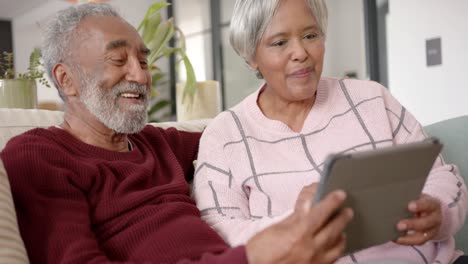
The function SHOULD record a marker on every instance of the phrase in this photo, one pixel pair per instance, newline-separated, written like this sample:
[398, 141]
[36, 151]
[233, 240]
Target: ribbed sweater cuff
[235, 255]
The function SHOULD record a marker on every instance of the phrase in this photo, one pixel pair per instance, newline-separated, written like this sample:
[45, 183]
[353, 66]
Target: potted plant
[19, 90]
[195, 100]
[156, 34]
[205, 103]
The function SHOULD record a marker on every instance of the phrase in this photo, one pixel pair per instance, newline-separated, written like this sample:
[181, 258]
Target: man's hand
[424, 225]
[309, 235]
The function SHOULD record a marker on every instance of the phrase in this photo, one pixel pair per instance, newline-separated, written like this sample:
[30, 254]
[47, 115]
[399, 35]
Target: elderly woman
[257, 159]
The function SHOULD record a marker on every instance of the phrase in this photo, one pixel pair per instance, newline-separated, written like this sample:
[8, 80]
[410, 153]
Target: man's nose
[137, 73]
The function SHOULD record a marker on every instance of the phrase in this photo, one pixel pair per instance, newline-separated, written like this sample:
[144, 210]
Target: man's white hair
[61, 32]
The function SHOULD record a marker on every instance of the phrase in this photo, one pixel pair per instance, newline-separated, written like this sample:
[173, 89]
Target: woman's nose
[299, 52]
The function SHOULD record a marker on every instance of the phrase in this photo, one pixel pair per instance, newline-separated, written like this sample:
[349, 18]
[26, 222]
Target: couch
[15, 121]
[11, 245]
[453, 133]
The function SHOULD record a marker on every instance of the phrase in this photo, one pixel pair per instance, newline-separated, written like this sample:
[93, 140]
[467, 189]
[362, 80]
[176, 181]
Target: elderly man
[103, 187]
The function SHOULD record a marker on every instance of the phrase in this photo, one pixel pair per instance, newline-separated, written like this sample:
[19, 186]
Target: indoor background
[382, 40]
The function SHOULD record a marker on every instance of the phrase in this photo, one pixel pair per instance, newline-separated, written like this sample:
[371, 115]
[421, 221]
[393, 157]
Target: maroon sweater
[77, 203]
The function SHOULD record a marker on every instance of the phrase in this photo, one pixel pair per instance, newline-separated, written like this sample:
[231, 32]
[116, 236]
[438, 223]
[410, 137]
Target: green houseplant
[18, 90]
[156, 34]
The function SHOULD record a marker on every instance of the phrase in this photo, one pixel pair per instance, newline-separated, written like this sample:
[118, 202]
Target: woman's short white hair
[251, 18]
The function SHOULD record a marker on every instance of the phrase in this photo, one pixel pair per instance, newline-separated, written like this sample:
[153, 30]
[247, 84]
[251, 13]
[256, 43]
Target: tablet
[379, 185]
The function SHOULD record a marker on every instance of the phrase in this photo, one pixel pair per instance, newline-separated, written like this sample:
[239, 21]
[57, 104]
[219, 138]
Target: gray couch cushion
[453, 133]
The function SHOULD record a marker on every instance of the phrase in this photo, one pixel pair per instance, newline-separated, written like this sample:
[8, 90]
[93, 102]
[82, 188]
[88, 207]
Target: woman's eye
[279, 43]
[311, 36]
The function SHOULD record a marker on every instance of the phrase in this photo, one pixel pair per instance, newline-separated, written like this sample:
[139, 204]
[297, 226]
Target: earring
[258, 74]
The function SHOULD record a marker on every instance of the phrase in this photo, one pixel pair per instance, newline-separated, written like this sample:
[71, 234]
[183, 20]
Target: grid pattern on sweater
[251, 169]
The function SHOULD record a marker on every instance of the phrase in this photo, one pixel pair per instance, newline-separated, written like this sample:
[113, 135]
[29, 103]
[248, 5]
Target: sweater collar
[90, 150]
[313, 119]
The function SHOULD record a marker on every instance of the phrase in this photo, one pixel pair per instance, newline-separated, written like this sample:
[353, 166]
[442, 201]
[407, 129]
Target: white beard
[105, 106]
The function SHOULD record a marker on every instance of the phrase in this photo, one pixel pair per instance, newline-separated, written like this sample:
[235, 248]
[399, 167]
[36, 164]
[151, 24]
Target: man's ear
[64, 78]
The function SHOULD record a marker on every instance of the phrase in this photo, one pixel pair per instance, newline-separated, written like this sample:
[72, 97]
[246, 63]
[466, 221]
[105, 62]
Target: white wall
[345, 45]
[430, 93]
[27, 30]
[193, 18]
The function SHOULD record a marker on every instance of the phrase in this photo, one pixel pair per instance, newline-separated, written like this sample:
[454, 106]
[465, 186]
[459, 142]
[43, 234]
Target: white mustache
[129, 87]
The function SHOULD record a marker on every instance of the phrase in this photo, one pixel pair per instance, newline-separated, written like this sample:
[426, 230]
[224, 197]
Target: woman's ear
[252, 65]
[64, 79]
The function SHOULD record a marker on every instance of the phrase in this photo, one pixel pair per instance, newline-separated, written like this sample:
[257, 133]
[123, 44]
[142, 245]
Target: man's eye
[118, 61]
[144, 64]
[279, 43]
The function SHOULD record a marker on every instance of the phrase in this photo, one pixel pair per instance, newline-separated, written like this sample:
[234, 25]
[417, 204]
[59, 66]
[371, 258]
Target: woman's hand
[307, 193]
[424, 225]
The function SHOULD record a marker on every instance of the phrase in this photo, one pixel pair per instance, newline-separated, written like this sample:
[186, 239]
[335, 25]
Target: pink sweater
[251, 169]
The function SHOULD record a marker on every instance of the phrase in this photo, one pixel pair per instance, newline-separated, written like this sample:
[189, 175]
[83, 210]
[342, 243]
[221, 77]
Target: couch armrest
[16, 121]
[12, 248]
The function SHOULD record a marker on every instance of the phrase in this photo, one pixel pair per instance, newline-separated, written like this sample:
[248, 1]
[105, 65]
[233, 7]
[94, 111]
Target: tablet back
[379, 184]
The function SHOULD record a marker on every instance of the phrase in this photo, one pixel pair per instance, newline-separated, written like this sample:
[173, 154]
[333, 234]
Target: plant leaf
[168, 51]
[151, 24]
[151, 10]
[158, 106]
[181, 38]
[156, 77]
[190, 85]
[159, 44]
